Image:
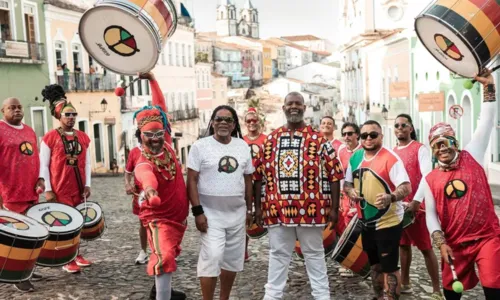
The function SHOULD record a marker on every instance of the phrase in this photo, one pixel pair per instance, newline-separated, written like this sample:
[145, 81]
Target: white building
[204, 93]
[311, 42]
[229, 24]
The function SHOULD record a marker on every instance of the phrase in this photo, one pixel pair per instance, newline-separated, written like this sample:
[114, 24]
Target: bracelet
[438, 239]
[197, 210]
[489, 94]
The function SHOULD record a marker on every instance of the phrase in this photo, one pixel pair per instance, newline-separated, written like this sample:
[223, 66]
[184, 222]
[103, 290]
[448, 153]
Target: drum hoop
[173, 12]
[34, 239]
[448, 26]
[60, 232]
[340, 246]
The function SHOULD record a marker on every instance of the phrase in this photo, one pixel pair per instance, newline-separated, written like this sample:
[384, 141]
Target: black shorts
[383, 241]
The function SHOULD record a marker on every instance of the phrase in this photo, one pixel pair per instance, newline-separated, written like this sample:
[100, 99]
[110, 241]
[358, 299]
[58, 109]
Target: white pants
[282, 241]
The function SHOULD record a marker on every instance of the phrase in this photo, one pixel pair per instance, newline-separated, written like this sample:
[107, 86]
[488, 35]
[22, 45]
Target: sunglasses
[153, 135]
[252, 121]
[402, 125]
[348, 133]
[443, 143]
[219, 119]
[372, 135]
[69, 115]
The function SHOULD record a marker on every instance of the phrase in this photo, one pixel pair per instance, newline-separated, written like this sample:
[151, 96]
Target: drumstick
[470, 83]
[120, 91]
[457, 286]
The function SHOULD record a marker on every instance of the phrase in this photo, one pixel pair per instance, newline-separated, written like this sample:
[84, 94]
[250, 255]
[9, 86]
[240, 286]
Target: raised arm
[425, 162]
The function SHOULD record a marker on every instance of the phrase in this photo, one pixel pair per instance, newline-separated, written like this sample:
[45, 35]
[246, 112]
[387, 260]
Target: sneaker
[437, 296]
[25, 286]
[142, 258]
[152, 294]
[72, 267]
[406, 289]
[177, 295]
[36, 277]
[345, 272]
[82, 262]
[247, 257]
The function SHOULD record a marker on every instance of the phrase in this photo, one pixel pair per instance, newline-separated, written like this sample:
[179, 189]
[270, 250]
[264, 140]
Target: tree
[201, 57]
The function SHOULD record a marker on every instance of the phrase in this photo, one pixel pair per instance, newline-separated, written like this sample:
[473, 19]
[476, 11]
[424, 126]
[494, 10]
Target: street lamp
[385, 112]
[104, 105]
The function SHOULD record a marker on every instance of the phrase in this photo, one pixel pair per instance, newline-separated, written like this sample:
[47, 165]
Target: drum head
[118, 40]
[61, 218]
[447, 46]
[15, 224]
[91, 212]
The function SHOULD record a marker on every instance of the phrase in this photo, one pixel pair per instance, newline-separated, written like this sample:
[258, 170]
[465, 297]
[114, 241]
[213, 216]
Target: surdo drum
[65, 224]
[21, 241]
[127, 36]
[329, 242]
[464, 35]
[93, 218]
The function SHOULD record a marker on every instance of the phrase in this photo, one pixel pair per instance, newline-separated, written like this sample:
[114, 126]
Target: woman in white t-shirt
[220, 190]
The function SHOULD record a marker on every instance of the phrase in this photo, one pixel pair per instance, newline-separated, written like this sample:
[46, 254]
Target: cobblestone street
[114, 275]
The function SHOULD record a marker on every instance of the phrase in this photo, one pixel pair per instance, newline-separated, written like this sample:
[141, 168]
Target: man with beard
[327, 128]
[65, 160]
[164, 208]
[254, 139]
[417, 162]
[220, 173]
[459, 206]
[377, 181]
[20, 167]
[301, 196]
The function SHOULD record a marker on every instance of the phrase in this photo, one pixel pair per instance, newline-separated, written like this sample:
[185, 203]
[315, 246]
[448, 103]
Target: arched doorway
[466, 121]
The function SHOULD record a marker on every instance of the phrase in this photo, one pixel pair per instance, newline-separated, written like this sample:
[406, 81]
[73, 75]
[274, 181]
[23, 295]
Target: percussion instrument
[21, 240]
[127, 36]
[408, 219]
[329, 242]
[93, 220]
[256, 232]
[464, 35]
[349, 250]
[65, 224]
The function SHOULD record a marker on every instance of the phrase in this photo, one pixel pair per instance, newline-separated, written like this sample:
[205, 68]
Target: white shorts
[222, 248]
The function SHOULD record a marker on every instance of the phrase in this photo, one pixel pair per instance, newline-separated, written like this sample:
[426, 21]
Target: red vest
[463, 201]
[409, 156]
[345, 154]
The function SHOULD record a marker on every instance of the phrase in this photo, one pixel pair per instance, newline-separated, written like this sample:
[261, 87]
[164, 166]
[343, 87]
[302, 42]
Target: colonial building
[311, 42]
[228, 62]
[230, 24]
[204, 93]
[23, 61]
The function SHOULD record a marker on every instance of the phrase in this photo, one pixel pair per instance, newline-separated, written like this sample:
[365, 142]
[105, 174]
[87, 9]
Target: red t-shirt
[19, 164]
[133, 157]
[255, 146]
[409, 156]
[336, 145]
[62, 176]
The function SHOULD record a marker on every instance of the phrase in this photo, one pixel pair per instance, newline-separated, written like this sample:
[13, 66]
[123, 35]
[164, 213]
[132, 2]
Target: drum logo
[89, 214]
[56, 218]
[448, 47]
[26, 148]
[455, 189]
[13, 223]
[120, 41]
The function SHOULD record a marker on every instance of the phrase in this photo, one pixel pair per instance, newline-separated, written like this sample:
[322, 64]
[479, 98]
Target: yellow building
[88, 86]
[267, 64]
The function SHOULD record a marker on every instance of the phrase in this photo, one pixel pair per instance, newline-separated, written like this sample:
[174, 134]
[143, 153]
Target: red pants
[486, 254]
[417, 234]
[164, 238]
[19, 207]
[135, 206]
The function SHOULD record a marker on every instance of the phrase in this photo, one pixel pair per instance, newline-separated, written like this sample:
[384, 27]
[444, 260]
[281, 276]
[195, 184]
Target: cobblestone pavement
[114, 275]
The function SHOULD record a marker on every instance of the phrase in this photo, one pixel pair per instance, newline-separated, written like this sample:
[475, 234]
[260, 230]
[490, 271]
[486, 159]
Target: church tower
[249, 22]
[226, 18]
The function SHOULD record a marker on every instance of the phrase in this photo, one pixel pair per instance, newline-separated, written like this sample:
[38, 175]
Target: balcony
[12, 51]
[182, 115]
[84, 82]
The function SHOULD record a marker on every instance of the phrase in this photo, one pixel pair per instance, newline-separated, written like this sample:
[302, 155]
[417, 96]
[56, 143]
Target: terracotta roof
[73, 5]
[277, 41]
[226, 46]
[294, 80]
[207, 34]
[297, 47]
[323, 53]
[299, 38]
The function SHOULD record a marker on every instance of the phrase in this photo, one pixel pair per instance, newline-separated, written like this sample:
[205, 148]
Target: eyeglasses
[348, 133]
[252, 121]
[71, 115]
[402, 125]
[444, 142]
[372, 135]
[154, 135]
[220, 119]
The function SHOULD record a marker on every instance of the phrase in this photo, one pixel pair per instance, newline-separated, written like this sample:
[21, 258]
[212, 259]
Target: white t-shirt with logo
[221, 184]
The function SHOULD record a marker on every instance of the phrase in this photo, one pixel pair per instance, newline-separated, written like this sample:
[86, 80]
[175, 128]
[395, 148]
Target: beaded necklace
[166, 166]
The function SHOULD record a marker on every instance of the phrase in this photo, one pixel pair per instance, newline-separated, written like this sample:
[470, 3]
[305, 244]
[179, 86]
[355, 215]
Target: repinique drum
[464, 35]
[93, 218]
[65, 224]
[127, 36]
[21, 240]
[329, 242]
[408, 219]
[349, 250]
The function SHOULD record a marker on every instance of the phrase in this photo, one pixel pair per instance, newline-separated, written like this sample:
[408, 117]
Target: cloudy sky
[277, 17]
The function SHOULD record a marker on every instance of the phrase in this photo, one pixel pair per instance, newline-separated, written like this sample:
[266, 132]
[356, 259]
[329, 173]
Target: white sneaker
[142, 258]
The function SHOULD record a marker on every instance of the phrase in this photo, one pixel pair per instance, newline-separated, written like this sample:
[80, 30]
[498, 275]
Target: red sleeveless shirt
[409, 156]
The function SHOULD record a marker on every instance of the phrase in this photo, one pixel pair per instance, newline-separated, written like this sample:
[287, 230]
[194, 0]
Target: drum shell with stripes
[94, 228]
[329, 242]
[470, 26]
[19, 251]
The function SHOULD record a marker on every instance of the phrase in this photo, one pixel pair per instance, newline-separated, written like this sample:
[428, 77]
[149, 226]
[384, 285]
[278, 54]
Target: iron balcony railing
[77, 81]
[16, 49]
[187, 114]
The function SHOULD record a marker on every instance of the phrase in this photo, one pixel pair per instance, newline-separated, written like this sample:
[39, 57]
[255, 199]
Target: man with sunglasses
[302, 195]
[417, 162]
[327, 128]
[377, 181]
[459, 206]
[255, 139]
[20, 167]
[65, 160]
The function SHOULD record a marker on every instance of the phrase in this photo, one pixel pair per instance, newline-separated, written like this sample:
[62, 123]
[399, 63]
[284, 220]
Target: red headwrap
[149, 119]
[251, 110]
[441, 130]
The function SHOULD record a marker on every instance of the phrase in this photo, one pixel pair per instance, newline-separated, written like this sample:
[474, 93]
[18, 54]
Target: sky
[277, 17]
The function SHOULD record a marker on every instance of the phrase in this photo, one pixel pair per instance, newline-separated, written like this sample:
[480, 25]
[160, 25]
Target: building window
[170, 60]
[177, 56]
[98, 143]
[29, 23]
[163, 62]
[39, 122]
[172, 97]
[183, 55]
[139, 87]
[186, 100]
[131, 87]
[75, 48]
[190, 57]
[5, 20]
[82, 126]
[60, 53]
[192, 100]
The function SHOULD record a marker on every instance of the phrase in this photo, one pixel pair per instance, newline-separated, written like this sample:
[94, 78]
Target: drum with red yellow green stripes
[65, 225]
[21, 241]
[329, 242]
[349, 250]
[464, 35]
[93, 217]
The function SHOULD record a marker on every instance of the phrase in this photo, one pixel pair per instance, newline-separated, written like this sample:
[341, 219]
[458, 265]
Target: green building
[23, 64]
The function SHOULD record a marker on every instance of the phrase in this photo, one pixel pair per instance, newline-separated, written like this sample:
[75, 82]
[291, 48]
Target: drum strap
[72, 150]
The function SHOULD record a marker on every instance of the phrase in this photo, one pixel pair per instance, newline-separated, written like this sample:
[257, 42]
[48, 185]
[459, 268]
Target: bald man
[20, 166]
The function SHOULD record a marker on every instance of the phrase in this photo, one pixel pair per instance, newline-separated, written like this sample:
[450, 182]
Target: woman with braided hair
[220, 173]
[65, 160]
